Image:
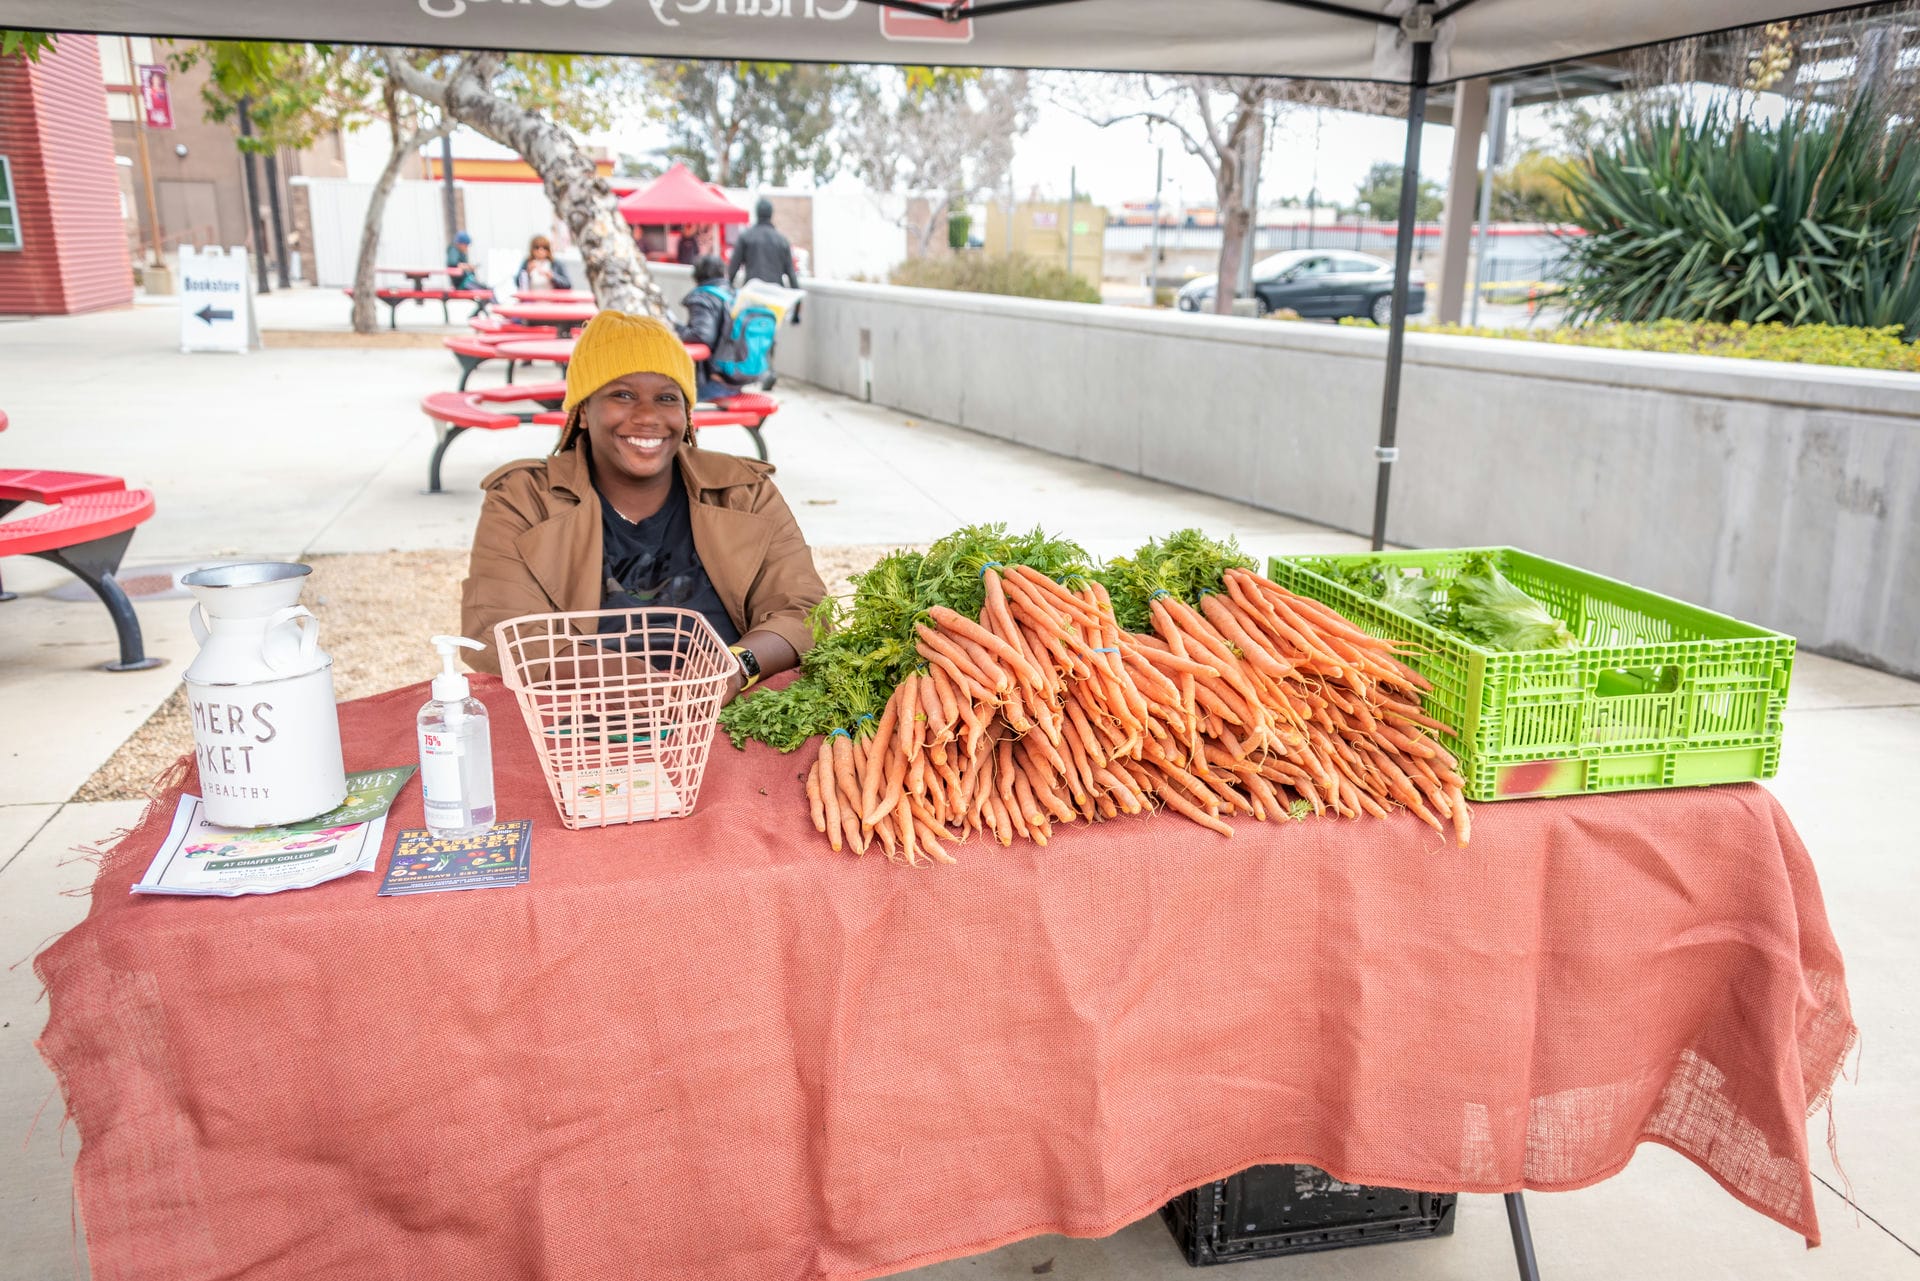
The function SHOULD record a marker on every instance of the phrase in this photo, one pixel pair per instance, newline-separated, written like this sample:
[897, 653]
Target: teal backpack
[745, 350]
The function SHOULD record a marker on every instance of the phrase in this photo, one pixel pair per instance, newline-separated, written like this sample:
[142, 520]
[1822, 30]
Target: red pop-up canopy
[676, 196]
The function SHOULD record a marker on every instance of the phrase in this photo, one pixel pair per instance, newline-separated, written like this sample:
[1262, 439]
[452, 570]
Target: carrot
[1178, 663]
[930, 842]
[930, 642]
[905, 724]
[949, 705]
[829, 791]
[1462, 820]
[1030, 808]
[903, 819]
[948, 621]
[849, 788]
[1124, 796]
[1253, 650]
[883, 738]
[1180, 805]
[814, 802]
[1002, 821]
[890, 790]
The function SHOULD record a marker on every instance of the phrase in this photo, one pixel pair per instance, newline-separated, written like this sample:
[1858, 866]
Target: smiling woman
[626, 513]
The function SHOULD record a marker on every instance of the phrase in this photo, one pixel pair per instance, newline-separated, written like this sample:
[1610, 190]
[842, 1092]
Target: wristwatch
[749, 665]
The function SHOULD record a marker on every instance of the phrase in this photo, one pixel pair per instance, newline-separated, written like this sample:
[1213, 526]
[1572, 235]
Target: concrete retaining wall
[1786, 495]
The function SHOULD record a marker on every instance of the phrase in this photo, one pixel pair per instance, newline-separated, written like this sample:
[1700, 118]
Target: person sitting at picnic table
[541, 270]
[460, 272]
[626, 512]
[709, 307]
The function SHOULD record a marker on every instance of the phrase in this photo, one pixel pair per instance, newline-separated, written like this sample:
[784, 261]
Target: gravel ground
[375, 613]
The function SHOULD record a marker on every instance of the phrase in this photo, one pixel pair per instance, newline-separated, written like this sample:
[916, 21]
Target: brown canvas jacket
[537, 550]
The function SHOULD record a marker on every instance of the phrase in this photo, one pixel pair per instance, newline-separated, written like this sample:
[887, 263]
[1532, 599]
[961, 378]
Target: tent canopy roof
[677, 196]
[1332, 39]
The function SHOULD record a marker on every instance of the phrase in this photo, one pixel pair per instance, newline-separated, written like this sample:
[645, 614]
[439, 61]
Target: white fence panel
[501, 216]
[412, 234]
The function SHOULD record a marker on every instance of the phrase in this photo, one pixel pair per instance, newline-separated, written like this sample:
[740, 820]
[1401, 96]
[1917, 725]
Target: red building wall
[55, 136]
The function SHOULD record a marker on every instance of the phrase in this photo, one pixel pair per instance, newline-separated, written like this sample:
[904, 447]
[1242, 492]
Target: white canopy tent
[1321, 39]
[1416, 43]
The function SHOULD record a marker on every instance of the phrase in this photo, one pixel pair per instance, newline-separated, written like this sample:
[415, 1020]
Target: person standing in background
[762, 253]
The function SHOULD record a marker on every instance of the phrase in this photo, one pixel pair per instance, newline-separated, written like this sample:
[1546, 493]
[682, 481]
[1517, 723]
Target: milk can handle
[198, 621]
[309, 637]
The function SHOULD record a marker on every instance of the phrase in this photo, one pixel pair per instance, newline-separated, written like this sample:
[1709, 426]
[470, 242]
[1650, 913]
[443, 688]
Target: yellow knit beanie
[615, 344]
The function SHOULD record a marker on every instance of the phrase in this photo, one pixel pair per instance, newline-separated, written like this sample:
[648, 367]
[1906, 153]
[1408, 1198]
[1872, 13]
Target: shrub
[1701, 215]
[976, 273]
[1857, 348]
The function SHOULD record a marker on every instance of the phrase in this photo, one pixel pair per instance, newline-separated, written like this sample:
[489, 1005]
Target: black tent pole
[1402, 269]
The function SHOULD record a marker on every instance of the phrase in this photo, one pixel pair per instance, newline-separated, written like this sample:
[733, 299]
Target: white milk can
[265, 732]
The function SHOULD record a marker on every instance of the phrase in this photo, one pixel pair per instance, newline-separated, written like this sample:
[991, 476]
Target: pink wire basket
[622, 718]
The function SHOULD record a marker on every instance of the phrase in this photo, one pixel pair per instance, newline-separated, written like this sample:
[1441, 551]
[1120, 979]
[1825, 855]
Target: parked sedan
[1318, 282]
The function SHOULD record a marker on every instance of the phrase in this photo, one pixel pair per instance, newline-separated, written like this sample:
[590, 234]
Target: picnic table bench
[564, 316]
[85, 530]
[393, 298]
[453, 413]
[473, 351]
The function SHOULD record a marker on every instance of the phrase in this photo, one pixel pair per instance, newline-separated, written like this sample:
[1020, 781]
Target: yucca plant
[1694, 214]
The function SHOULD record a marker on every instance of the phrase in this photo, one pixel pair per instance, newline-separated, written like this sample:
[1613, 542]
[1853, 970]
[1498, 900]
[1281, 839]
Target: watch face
[748, 663]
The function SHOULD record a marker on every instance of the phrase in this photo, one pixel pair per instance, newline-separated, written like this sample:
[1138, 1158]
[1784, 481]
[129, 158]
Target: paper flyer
[198, 858]
[423, 863]
[641, 790]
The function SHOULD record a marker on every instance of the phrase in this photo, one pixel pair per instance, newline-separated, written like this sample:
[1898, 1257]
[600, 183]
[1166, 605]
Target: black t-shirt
[653, 562]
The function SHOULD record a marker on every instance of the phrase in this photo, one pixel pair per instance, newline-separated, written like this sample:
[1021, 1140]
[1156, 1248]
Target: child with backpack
[740, 344]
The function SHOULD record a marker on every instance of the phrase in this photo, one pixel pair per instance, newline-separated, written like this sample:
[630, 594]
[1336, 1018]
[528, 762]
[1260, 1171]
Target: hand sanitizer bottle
[456, 751]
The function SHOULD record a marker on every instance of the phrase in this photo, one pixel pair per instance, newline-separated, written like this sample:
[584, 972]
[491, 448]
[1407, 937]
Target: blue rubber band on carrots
[1107, 649]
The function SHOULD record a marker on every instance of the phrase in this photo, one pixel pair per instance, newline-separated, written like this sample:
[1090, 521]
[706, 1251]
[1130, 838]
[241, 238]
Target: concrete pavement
[298, 452]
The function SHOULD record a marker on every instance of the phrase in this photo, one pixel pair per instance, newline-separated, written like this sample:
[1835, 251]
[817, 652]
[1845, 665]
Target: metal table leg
[1522, 1238]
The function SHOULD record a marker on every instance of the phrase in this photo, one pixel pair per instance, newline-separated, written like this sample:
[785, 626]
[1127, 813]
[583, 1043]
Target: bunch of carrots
[1258, 703]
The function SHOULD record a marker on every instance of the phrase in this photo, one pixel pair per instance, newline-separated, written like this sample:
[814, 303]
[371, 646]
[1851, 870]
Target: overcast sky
[1115, 165]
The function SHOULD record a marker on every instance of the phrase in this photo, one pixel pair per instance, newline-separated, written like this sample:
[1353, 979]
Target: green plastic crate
[1659, 693]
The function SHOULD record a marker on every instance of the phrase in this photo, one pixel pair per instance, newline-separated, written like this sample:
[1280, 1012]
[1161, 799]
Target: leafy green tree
[27, 44]
[747, 123]
[1532, 189]
[527, 102]
[296, 92]
[947, 135]
[1379, 195]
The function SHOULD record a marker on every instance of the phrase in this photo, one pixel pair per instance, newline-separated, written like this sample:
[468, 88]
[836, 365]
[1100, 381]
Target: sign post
[216, 303]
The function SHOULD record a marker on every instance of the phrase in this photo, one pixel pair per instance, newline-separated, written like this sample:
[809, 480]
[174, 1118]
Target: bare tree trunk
[365, 318]
[1233, 182]
[923, 231]
[1230, 198]
[616, 272]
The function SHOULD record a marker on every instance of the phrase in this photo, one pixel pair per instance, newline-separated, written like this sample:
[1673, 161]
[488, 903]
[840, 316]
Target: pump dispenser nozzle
[451, 686]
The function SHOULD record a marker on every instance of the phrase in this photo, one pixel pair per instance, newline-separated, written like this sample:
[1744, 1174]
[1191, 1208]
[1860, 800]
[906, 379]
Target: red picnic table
[564, 316]
[576, 296]
[560, 350]
[417, 275]
[875, 1069]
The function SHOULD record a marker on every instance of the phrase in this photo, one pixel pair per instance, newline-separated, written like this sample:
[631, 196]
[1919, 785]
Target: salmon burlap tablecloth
[711, 1048]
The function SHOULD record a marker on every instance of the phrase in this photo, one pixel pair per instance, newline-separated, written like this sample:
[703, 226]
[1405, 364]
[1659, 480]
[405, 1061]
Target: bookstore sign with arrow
[216, 300]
